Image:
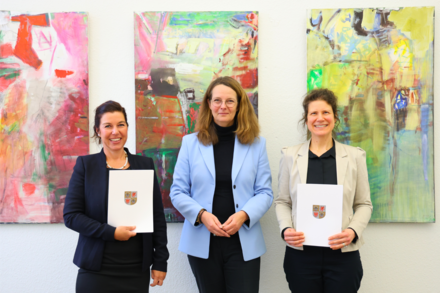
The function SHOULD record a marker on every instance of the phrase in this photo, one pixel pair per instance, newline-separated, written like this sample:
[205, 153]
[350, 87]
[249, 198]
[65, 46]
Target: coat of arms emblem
[130, 197]
[318, 211]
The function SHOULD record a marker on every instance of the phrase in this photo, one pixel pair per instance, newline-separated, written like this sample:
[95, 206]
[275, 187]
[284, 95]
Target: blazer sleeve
[362, 206]
[181, 189]
[160, 254]
[283, 202]
[258, 205]
[75, 207]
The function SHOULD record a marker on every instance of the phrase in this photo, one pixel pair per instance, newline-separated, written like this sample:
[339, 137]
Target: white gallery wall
[396, 257]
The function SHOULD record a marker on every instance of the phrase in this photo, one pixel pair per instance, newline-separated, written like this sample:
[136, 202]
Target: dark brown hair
[325, 95]
[106, 107]
[247, 122]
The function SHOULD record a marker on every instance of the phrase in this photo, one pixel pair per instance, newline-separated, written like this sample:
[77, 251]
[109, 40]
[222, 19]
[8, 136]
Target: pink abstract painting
[43, 111]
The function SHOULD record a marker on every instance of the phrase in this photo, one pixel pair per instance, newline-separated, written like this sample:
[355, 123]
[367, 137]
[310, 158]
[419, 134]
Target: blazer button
[234, 186]
[237, 205]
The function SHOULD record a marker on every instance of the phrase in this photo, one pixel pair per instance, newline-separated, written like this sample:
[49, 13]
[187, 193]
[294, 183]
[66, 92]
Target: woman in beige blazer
[322, 160]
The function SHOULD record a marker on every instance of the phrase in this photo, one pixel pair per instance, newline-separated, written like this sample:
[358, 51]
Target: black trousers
[113, 278]
[225, 271]
[322, 270]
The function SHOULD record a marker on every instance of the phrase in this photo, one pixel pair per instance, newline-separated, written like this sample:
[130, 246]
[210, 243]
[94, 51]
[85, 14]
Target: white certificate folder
[319, 212]
[130, 199]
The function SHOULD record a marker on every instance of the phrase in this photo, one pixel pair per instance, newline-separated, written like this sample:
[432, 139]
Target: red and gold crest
[130, 197]
[318, 211]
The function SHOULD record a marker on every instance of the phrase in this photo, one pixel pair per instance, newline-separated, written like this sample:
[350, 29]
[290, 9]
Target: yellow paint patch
[418, 23]
[368, 19]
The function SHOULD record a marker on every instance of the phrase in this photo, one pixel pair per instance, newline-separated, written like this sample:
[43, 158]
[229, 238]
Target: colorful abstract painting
[380, 64]
[43, 111]
[177, 55]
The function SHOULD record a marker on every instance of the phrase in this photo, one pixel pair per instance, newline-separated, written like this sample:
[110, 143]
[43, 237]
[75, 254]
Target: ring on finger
[343, 244]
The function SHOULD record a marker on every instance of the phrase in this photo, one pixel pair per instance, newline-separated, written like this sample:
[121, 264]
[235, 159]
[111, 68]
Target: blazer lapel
[341, 162]
[240, 151]
[302, 161]
[208, 156]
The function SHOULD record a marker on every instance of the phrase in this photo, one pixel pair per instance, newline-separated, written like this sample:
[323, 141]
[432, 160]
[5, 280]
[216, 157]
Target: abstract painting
[177, 55]
[380, 64]
[43, 111]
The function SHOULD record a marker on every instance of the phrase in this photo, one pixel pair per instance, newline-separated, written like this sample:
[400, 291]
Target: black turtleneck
[223, 205]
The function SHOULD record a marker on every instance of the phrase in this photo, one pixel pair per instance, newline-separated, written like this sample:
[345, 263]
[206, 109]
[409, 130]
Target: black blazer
[85, 211]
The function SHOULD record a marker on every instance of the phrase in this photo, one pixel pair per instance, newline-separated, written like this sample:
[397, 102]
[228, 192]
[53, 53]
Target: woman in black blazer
[110, 258]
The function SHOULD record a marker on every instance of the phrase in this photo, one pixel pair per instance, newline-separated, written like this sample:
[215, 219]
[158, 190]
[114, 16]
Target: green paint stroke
[44, 155]
[314, 79]
[59, 192]
[203, 20]
[192, 116]
[14, 127]
[12, 75]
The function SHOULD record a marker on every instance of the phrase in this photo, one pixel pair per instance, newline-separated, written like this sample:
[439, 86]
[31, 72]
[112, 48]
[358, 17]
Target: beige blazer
[352, 173]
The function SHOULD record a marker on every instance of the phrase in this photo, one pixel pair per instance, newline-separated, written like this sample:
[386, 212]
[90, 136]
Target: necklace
[126, 162]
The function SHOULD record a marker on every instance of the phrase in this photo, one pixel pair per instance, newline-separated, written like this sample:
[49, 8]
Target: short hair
[106, 107]
[248, 128]
[325, 95]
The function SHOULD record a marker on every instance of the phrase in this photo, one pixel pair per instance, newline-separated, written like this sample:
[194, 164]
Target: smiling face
[113, 131]
[320, 119]
[223, 105]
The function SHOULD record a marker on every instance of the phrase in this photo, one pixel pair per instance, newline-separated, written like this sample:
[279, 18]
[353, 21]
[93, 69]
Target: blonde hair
[248, 128]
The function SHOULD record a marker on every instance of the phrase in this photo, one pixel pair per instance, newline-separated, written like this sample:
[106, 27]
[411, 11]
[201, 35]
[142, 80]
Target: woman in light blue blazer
[222, 186]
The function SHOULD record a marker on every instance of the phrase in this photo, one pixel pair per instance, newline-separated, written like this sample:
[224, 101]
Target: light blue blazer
[193, 189]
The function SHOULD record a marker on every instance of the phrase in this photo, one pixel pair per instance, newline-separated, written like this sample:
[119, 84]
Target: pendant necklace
[126, 162]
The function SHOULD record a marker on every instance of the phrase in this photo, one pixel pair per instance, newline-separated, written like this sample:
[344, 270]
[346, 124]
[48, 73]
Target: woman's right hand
[213, 224]
[294, 238]
[123, 233]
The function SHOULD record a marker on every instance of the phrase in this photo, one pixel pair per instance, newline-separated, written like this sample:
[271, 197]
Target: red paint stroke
[6, 50]
[6, 81]
[244, 52]
[23, 48]
[29, 189]
[249, 79]
[240, 68]
[62, 73]
[67, 134]
[9, 65]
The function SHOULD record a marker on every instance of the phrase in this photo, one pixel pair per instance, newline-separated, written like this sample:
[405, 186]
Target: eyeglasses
[219, 102]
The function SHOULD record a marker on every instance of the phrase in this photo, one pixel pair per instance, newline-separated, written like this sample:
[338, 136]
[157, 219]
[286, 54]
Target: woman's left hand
[342, 239]
[157, 277]
[235, 221]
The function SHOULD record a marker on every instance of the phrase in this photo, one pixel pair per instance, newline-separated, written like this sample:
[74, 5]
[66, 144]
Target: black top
[123, 252]
[223, 204]
[322, 170]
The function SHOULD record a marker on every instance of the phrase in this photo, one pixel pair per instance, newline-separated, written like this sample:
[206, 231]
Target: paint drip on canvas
[43, 111]
[380, 64]
[177, 55]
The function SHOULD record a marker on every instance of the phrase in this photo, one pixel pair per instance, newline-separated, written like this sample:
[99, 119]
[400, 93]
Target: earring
[99, 135]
